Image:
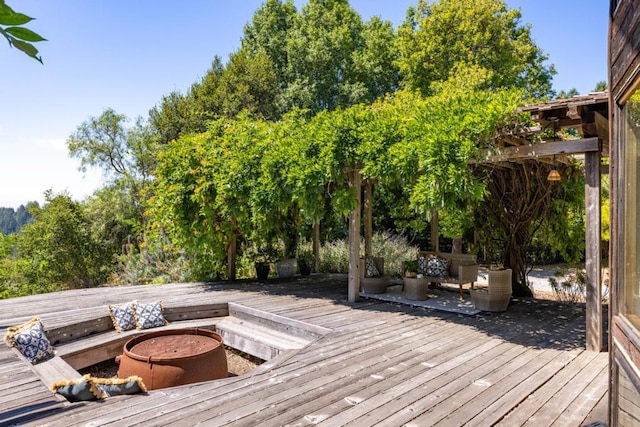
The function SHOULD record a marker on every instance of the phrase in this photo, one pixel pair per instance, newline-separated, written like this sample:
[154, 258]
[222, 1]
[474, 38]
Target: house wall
[624, 337]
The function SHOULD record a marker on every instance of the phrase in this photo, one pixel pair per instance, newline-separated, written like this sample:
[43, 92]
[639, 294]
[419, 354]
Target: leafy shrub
[572, 288]
[394, 248]
[152, 265]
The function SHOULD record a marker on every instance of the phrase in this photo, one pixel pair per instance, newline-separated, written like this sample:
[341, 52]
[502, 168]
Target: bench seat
[92, 341]
[463, 269]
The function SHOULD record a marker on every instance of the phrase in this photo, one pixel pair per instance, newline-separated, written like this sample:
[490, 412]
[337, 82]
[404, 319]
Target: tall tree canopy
[441, 37]
[324, 37]
[268, 33]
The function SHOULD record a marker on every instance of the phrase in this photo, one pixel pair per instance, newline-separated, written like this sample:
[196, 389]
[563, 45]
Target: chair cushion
[437, 267]
[371, 270]
[422, 264]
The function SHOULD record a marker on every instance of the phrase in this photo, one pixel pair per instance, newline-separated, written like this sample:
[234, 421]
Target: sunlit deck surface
[382, 364]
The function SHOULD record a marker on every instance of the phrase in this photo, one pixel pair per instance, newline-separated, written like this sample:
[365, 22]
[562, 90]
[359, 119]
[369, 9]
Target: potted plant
[413, 284]
[411, 268]
[264, 257]
[305, 261]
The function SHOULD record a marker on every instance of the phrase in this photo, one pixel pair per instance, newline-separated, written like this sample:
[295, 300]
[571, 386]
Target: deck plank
[586, 401]
[525, 413]
[381, 363]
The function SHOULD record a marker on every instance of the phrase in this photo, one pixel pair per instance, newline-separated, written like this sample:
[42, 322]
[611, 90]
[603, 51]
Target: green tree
[202, 195]
[57, 249]
[375, 63]
[569, 94]
[12, 28]
[320, 49]
[126, 155]
[437, 38]
[267, 34]
[601, 86]
[249, 84]
[179, 114]
[11, 221]
[8, 224]
[113, 218]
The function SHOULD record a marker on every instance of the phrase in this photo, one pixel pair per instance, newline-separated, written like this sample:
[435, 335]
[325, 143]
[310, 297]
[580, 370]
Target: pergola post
[316, 246]
[368, 217]
[231, 257]
[354, 239]
[435, 232]
[594, 333]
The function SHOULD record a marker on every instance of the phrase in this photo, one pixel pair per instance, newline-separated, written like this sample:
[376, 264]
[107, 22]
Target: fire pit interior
[174, 357]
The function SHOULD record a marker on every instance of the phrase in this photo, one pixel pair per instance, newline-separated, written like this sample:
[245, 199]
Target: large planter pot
[286, 267]
[498, 293]
[374, 285]
[305, 267]
[262, 270]
[415, 289]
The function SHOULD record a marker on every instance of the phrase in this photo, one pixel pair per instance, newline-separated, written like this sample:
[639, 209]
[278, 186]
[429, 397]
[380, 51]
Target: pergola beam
[533, 151]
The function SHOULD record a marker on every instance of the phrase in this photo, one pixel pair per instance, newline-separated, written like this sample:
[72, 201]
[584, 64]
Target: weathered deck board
[526, 411]
[382, 363]
[585, 401]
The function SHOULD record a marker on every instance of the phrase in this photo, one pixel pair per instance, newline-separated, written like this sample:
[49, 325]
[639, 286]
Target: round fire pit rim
[164, 332]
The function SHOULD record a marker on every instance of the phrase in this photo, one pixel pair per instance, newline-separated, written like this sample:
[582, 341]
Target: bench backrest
[455, 260]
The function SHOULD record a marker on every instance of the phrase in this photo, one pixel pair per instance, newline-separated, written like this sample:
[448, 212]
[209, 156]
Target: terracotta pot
[169, 358]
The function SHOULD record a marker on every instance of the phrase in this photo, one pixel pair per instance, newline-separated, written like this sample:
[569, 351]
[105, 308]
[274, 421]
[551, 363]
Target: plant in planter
[264, 257]
[305, 261]
[411, 268]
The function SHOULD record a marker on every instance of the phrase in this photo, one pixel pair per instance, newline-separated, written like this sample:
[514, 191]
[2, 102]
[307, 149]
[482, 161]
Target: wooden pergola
[588, 114]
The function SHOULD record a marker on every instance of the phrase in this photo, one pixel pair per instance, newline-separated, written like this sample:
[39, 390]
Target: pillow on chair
[371, 270]
[437, 267]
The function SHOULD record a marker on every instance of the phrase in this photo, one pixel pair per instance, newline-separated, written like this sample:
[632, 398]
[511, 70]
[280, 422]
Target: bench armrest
[468, 273]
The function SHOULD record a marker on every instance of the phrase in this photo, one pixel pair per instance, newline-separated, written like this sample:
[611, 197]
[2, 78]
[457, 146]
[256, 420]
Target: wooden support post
[316, 247]
[354, 240]
[231, 257]
[594, 334]
[435, 231]
[368, 217]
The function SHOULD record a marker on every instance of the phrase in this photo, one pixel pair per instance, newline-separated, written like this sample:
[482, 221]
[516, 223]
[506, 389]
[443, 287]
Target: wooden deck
[382, 364]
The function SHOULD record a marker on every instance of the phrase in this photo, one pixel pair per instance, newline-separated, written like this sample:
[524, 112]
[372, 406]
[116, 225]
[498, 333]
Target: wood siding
[624, 66]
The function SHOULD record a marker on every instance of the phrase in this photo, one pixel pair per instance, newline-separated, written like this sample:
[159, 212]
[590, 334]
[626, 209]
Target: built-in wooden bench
[265, 335]
[463, 269]
[261, 334]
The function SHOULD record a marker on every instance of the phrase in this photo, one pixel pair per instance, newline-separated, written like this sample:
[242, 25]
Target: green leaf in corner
[9, 17]
[24, 34]
[14, 19]
[27, 48]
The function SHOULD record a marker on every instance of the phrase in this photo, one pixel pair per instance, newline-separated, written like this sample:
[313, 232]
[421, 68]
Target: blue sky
[126, 55]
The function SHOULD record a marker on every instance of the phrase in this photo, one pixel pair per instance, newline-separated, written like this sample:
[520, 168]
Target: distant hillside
[12, 220]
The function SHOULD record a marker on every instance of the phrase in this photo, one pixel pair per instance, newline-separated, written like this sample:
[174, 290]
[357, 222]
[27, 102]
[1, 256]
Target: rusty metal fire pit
[174, 357]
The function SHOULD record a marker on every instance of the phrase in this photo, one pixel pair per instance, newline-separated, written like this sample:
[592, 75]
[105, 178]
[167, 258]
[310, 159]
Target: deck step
[255, 339]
